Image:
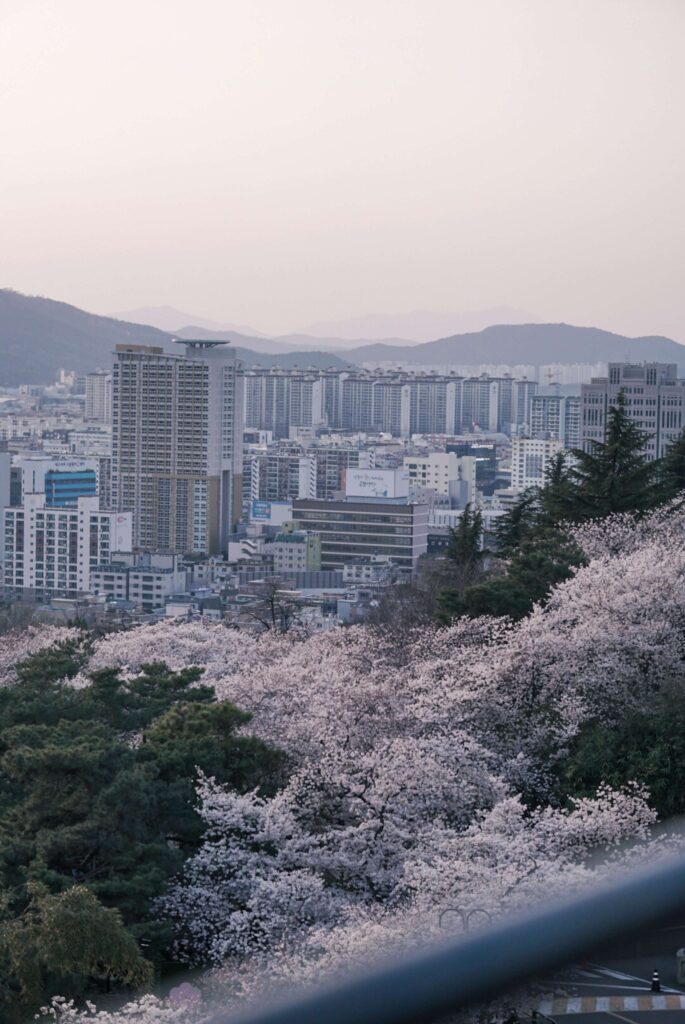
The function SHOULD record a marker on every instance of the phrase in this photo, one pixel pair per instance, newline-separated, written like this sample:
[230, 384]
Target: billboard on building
[377, 483]
[273, 513]
[122, 536]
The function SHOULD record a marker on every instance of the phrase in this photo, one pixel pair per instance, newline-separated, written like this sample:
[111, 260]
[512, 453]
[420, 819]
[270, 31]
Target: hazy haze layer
[285, 163]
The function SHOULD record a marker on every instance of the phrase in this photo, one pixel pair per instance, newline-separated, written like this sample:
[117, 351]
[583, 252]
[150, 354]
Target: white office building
[445, 473]
[655, 402]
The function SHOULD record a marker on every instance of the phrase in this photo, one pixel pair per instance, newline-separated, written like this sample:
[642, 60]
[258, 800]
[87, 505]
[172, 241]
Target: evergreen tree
[464, 546]
[97, 792]
[614, 476]
[463, 560]
[672, 470]
[542, 560]
[518, 522]
[555, 495]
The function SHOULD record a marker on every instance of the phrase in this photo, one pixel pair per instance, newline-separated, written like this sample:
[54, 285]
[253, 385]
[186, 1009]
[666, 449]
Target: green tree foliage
[542, 560]
[97, 790]
[464, 546]
[614, 476]
[463, 559]
[65, 940]
[643, 747]
[556, 494]
[519, 522]
[535, 549]
[671, 480]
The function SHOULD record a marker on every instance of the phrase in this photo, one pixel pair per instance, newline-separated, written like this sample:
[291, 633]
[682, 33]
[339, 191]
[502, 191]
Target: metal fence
[455, 974]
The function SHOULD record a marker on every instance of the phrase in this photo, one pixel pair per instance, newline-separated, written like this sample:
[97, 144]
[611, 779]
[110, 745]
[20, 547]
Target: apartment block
[556, 417]
[50, 552]
[99, 397]
[177, 424]
[145, 580]
[296, 551]
[530, 459]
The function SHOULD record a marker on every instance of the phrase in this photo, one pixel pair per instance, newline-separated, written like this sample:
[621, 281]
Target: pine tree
[463, 560]
[614, 476]
[518, 522]
[672, 470]
[464, 546]
[555, 495]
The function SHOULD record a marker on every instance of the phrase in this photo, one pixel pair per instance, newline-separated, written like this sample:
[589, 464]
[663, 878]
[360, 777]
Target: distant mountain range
[419, 325]
[171, 320]
[38, 336]
[533, 344]
[397, 329]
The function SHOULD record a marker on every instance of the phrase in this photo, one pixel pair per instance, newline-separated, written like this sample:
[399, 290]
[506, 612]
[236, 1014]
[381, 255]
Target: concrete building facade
[50, 551]
[357, 528]
[177, 427]
[655, 402]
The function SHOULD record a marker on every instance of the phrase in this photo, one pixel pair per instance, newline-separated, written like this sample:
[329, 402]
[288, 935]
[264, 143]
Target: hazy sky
[277, 162]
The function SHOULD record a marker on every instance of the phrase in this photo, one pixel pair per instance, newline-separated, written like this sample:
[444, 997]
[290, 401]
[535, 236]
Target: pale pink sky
[277, 162]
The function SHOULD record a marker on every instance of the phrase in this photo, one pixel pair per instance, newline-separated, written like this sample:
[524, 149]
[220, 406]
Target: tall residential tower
[177, 423]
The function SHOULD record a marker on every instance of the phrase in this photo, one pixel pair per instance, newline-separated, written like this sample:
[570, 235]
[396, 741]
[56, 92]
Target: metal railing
[452, 975]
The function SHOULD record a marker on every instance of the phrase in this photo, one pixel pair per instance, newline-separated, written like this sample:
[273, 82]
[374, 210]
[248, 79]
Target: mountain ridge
[533, 344]
[38, 336]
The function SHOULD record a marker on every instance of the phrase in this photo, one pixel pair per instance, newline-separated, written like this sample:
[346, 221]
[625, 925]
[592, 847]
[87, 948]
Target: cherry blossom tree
[420, 792]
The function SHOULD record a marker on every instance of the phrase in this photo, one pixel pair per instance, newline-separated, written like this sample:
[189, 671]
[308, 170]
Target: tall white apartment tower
[177, 425]
[99, 397]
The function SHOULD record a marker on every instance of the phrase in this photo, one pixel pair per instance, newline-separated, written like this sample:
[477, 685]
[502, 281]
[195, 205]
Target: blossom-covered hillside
[420, 785]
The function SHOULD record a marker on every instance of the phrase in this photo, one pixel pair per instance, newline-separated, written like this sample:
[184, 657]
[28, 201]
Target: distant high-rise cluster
[398, 403]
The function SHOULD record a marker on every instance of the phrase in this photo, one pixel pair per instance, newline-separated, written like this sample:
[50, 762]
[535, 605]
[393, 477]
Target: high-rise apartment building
[333, 463]
[99, 397]
[654, 397]
[556, 417]
[391, 407]
[279, 400]
[177, 425]
[356, 402]
[399, 402]
[280, 475]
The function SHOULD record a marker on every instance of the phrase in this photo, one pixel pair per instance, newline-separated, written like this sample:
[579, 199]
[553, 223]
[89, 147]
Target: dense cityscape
[183, 484]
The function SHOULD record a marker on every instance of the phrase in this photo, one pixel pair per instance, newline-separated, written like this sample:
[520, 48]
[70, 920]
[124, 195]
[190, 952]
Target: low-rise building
[356, 527]
[146, 580]
[296, 551]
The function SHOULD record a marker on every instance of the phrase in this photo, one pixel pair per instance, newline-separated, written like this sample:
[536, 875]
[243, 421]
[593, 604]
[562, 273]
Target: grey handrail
[454, 974]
